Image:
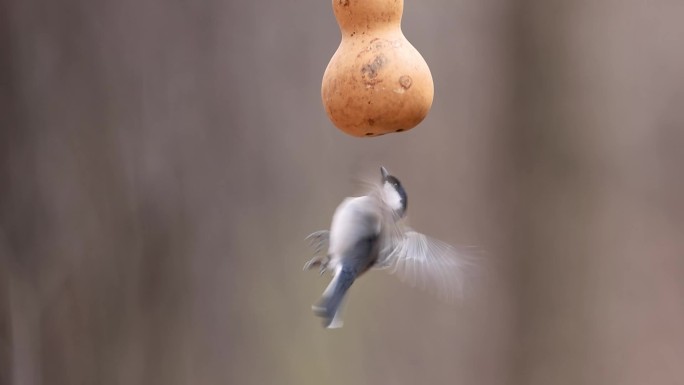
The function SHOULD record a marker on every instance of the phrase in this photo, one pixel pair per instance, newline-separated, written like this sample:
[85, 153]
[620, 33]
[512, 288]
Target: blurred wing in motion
[430, 264]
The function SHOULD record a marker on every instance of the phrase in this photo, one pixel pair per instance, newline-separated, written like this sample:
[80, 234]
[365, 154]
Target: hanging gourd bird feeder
[376, 82]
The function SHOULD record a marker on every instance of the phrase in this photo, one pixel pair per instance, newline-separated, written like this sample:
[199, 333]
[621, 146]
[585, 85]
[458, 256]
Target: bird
[371, 231]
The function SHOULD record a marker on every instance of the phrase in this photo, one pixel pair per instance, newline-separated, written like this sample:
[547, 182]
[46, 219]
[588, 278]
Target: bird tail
[330, 305]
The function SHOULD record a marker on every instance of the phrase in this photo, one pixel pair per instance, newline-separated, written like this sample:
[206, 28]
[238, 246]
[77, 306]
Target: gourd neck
[364, 15]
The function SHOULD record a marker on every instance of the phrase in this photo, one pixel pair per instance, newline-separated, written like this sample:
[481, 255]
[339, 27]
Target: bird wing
[428, 263]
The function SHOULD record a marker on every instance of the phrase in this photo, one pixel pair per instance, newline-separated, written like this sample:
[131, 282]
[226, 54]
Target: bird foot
[318, 261]
[318, 240]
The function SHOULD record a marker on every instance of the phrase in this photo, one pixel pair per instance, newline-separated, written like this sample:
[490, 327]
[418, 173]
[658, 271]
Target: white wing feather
[429, 263]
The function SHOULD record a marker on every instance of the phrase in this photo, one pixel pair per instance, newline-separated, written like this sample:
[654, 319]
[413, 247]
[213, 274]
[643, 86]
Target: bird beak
[384, 172]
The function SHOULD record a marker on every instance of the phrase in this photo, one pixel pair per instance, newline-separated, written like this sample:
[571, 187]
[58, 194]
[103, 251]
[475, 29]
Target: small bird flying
[370, 231]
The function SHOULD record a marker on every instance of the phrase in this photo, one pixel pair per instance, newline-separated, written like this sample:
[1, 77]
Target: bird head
[393, 193]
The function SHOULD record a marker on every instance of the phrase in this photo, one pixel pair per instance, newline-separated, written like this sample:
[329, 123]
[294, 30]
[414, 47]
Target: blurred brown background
[161, 163]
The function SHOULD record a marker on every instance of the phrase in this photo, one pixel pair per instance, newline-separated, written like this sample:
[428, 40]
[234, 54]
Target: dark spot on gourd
[370, 71]
[405, 82]
[371, 122]
[369, 134]
[399, 130]
[344, 3]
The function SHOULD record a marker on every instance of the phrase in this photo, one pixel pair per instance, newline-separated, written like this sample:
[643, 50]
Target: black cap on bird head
[393, 191]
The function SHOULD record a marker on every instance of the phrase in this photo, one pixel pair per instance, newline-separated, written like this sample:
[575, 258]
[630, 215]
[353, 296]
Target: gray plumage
[370, 231]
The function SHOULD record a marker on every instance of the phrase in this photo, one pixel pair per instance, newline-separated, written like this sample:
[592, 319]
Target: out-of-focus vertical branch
[6, 121]
[553, 202]
[18, 362]
[6, 338]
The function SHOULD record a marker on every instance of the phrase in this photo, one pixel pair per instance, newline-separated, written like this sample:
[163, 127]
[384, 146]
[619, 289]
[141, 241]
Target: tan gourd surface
[376, 82]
